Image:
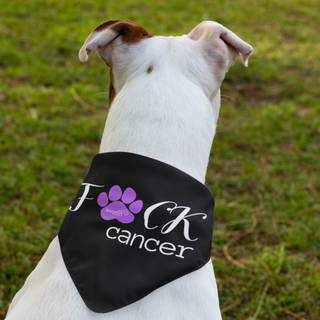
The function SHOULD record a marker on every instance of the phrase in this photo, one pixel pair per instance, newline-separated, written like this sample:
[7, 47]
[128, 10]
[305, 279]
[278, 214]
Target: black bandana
[136, 224]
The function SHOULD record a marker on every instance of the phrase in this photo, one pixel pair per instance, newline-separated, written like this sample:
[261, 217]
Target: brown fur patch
[105, 25]
[150, 69]
[112, 91]
[129, 31]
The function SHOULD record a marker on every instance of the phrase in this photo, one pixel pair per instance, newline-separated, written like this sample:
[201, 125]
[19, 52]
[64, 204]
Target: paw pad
[115, 204]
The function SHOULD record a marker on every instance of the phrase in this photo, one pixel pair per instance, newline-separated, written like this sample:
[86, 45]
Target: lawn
[264, 169]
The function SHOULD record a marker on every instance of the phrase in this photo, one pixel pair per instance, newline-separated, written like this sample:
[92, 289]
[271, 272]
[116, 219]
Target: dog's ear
[221, 43]
[104, 34]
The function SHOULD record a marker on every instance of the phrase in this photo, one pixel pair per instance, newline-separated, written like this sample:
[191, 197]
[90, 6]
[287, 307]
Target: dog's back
[165, 100]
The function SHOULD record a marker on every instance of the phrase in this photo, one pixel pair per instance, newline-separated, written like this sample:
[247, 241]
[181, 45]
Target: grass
[264, 165]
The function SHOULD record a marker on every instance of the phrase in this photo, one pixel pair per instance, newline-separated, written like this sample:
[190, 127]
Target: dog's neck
[177, 128]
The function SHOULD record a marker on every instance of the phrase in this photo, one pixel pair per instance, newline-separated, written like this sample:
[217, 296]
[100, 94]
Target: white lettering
[147, 241]
[182, 251]
[137, 236]
[84, 195]
[150, 209]
[181, 217]
[167, 246]
[171, 225]
[118, 213]
[107, 233]
[126, 238]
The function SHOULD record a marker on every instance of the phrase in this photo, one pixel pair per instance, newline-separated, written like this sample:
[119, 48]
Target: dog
[164, 96]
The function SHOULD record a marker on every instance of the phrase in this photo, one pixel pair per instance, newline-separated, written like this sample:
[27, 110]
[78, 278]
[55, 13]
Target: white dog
[165, 100]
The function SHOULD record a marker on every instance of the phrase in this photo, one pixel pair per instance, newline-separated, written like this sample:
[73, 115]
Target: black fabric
[101, 237]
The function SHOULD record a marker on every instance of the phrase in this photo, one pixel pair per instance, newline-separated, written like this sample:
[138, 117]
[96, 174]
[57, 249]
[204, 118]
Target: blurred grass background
[264, 166]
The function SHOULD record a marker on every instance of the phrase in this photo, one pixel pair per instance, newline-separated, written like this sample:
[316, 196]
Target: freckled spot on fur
[150, 69]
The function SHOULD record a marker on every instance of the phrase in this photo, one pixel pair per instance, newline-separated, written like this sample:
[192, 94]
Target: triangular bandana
[135, 225]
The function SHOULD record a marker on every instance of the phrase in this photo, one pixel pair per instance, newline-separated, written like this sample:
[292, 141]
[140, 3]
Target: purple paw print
[117, 209]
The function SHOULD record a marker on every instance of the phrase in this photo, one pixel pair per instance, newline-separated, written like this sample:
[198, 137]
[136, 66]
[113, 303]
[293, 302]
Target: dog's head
[203, 56]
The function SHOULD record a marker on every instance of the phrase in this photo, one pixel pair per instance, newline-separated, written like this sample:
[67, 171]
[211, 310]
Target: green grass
[264, 166]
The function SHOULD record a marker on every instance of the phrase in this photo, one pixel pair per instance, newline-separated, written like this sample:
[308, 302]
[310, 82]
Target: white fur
[169, 114]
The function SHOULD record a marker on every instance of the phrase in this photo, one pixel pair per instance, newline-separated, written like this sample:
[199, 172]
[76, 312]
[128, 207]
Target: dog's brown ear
[218, 38]
[101, 36]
